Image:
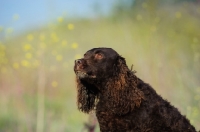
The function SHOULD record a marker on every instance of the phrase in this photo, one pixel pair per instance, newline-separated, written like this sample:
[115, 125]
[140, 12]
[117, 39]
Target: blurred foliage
[161, 40]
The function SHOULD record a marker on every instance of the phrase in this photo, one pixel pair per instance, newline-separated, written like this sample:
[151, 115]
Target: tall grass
[37, 87]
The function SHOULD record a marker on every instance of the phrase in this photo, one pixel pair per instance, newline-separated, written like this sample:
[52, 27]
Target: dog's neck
[115, 90]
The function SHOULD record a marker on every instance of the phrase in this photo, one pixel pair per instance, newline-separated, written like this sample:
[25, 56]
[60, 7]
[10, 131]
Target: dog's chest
[109, 121]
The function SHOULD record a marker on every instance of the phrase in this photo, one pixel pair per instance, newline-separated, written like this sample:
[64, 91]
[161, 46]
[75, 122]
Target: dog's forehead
[105, 51]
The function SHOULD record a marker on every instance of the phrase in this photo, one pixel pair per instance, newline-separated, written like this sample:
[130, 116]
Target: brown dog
[123, 102]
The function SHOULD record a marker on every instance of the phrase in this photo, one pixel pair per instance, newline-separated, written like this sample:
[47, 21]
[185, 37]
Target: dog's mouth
[84, 75]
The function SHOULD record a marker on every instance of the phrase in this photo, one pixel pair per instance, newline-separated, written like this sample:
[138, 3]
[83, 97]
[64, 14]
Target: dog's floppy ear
[86, 96]
[122, 89]
[120, 69]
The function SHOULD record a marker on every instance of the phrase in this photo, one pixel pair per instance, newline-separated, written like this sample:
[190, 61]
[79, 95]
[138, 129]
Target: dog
[121, 100]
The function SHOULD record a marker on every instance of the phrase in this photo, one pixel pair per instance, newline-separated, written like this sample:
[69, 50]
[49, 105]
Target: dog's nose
[78, 61]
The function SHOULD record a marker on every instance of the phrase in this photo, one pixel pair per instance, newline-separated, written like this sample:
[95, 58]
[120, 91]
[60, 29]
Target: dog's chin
[84, 75]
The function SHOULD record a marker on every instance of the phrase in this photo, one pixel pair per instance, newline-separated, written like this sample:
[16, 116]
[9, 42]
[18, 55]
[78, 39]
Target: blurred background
[39, 41]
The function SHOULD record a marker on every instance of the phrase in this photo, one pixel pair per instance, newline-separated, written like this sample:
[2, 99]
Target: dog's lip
[90, 75]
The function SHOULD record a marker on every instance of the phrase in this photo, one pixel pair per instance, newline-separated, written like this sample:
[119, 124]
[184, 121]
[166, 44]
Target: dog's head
[96, 64]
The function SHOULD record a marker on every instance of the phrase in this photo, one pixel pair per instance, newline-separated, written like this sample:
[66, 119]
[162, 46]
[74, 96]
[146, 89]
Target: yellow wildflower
[27, 47]
[54, 37]
[15, 65]
[25, 63]
[70, 26]
[30, 37]
[54, 84]
[28, 55]
[64, 43]
[59, 57]
[60, 19]
[74, 46]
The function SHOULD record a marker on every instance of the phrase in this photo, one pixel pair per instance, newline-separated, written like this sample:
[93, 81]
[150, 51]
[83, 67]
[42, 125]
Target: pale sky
[26, 14]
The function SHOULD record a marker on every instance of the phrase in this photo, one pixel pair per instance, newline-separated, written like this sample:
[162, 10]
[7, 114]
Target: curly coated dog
[122, 101]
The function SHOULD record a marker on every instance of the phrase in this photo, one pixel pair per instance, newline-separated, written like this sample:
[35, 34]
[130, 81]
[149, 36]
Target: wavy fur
[124, 103]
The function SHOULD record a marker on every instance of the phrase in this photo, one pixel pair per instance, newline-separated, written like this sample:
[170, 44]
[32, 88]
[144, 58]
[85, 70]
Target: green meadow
[37, 81]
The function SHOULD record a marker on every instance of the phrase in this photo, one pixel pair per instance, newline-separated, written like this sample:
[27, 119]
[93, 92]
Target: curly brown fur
[122, 101]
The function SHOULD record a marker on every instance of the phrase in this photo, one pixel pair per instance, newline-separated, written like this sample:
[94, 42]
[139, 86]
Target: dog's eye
[98, 56]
